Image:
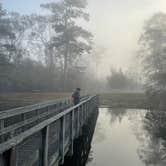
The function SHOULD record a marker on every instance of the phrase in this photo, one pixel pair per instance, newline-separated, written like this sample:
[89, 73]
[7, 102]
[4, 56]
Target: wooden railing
[42, 134]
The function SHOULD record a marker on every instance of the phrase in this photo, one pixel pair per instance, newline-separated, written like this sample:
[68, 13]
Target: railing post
[72, 134]
[2, 127]
[80, 124]
[45, 145]
[2, 124]
[87, 115]
[13, 161]
[62, 140]
[78, 121]
[83, 114]
[80, 116]
[86, 110]
[1, 160]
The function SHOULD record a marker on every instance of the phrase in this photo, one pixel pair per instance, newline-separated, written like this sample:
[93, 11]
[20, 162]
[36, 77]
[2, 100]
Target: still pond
[121, 137]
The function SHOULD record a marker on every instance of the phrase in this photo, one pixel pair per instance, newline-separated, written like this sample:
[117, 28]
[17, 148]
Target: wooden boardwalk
[42, 134]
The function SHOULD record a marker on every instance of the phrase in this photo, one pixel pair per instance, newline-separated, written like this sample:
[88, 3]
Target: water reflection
[153, 149]
[129, 139]
[123, 137]
[116, 115]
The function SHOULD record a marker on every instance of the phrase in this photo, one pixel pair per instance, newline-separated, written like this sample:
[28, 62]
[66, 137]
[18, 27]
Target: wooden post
[72, 134]
[78, 121]
[2, 124]
[13, 159]
[62, 140]
[2, 127]
[2, 160]
[80, 110]
[45, 145]
[82, 115]
[87, 112]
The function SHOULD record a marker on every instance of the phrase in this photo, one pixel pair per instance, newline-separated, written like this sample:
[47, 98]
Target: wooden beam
[62, 140]
[72, 134]
[18, 139]
[13, 159]
[45, 145]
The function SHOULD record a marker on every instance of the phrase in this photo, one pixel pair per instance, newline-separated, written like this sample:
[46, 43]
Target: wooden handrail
[72, 119]
[29, 108]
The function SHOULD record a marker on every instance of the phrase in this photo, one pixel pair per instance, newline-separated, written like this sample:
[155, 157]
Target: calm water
[121, 138]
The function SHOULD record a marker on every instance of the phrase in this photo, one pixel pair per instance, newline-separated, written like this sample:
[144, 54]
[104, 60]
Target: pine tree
[71, 40]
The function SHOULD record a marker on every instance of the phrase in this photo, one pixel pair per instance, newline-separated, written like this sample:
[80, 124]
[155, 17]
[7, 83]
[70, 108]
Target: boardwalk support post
[62, 140]
[72, 134]
[78, 121]
[13, 156]
[45, 144]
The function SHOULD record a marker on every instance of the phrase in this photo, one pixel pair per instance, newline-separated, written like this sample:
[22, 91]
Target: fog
[115, 24]
[98, 54]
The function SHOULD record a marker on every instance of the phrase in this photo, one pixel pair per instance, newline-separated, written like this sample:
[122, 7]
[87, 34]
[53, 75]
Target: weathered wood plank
[62, 140]
[15, 140]
[66, 135]
[22, 110]
[45, 145]
[13, 161]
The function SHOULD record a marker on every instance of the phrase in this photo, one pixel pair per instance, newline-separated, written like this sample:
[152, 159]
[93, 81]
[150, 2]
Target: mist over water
[122, 137]
[115, 140]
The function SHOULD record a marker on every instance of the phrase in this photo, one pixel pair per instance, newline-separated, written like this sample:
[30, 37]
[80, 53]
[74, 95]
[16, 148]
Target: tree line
[121, 81]
[152, 53]
[43, 52]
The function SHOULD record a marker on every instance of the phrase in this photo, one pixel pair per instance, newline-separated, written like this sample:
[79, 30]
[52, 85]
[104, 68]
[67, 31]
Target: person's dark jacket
[76, 97]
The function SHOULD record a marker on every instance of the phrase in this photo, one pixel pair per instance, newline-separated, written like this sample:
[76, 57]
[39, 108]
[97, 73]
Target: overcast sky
[116, 25]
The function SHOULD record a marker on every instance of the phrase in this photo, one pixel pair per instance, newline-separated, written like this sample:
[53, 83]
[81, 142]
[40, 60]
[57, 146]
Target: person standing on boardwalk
[76, 96]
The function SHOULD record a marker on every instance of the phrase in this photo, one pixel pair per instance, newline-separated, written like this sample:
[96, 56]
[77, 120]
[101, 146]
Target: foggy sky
[116, 25]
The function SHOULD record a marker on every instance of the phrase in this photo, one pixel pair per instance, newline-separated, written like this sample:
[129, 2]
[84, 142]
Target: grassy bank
[14, 100]
[123, 100]
[114, 100]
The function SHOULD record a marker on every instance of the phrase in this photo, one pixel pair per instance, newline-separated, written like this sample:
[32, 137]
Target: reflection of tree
[99, 134]
[153, 148]
[152, 152]
[116, 114]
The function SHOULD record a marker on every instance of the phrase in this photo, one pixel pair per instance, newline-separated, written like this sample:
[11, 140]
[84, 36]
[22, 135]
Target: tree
[71, 40]
[117, 80]
[5, 34]
[40, 39]
[6, 48]
[20, 25]
[153, 55]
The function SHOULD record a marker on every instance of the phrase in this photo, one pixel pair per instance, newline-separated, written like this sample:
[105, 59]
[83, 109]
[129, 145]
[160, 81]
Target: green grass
[123, 100]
